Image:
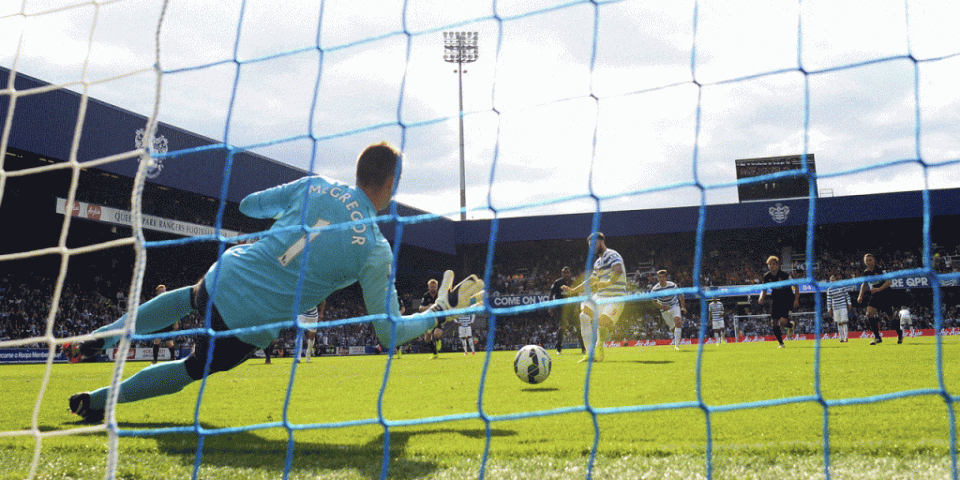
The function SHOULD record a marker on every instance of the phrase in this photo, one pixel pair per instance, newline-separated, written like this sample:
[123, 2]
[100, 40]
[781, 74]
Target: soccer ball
[532, 364]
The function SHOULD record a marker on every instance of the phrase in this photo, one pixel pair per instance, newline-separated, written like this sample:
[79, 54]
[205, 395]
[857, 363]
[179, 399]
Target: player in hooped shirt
[838, 304]
[671, 306]
[607, 281]
[716, 318]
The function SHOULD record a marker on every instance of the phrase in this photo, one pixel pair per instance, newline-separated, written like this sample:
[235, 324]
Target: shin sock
[875, 326]
[155, 380]
[160, 312]
[586, 330]
[778, 333]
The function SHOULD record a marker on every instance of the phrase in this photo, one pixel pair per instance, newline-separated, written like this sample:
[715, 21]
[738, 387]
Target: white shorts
[310, 316]
[906, 320]
[608, 309]
[669, 315]
[840, 315]
[466, 332]
[718, 325]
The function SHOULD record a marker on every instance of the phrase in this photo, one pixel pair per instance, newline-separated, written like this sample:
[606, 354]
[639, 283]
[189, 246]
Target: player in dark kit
[171, 342]
[881, 299]
[561, 314]
[782, 299]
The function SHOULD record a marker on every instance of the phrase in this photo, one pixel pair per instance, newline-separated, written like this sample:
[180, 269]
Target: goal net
[592, 107]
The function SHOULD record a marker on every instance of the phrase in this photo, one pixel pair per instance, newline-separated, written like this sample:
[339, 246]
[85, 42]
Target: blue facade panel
[849, 209]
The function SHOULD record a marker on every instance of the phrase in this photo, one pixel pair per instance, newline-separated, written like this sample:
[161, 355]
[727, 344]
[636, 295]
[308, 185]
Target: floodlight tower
[460, 48]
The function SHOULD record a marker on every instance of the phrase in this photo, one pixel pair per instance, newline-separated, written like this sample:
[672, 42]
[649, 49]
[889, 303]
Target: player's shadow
[248, 450]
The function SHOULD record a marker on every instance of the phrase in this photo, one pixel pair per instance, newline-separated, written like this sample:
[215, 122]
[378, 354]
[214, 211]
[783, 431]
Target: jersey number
[300, 244]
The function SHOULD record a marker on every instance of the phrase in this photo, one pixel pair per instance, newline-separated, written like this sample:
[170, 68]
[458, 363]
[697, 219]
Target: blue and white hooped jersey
[603, 269]
[837, 298]
[257, 284]
[716, 311]
[310, 316]
[666, 300]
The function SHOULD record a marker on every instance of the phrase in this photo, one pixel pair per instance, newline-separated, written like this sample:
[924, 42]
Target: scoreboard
[774, 189]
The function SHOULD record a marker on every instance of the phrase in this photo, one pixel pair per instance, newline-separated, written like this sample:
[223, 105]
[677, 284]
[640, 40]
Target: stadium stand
[529, 253]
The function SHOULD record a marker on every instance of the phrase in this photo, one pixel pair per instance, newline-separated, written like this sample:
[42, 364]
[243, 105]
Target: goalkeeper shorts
[228, 352]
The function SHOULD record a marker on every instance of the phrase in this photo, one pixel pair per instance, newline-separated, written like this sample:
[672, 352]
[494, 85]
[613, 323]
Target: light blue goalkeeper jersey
[257, 283]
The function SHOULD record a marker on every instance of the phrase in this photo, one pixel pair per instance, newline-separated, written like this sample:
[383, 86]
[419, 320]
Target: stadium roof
[44, 124]
[774, 213]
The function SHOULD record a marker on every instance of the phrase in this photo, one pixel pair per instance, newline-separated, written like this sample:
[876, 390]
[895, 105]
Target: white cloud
[531, 99]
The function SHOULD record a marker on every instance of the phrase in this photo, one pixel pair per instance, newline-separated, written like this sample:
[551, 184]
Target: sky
[570, 106]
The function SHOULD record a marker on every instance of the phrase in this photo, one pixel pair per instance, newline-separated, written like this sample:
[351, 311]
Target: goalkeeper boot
[80, 405]
[82, 351]
[598, 354]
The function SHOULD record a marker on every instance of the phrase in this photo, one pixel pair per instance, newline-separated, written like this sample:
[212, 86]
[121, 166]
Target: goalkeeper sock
[586, 330]
[153, 381]
[439, 346]
[160, 312]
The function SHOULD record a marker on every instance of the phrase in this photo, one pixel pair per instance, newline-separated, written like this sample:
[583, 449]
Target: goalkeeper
[256, 285]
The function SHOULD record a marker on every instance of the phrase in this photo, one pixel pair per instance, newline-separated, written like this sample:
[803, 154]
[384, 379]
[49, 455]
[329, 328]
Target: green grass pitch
[907, 437]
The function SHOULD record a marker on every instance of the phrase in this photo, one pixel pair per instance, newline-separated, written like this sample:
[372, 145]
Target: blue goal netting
[562, 85]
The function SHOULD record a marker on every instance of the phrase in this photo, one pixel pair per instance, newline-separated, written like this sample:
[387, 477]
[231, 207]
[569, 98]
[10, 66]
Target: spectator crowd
[94, 296]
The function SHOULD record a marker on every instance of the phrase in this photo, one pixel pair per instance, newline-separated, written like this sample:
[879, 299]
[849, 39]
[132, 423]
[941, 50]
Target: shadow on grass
[645, 362]
[247, 450]
[541, 389]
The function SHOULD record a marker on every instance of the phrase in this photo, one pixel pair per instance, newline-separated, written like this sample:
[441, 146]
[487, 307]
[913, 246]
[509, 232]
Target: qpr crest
[779, 212]
[156, 144]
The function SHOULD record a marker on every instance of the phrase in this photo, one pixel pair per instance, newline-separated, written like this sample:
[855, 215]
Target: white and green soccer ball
[532, 364]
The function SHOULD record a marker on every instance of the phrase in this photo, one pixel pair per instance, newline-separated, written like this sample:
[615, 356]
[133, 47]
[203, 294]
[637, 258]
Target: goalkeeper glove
[466, 292]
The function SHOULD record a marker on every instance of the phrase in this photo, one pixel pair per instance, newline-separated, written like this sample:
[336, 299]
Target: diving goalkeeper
[255, 285]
